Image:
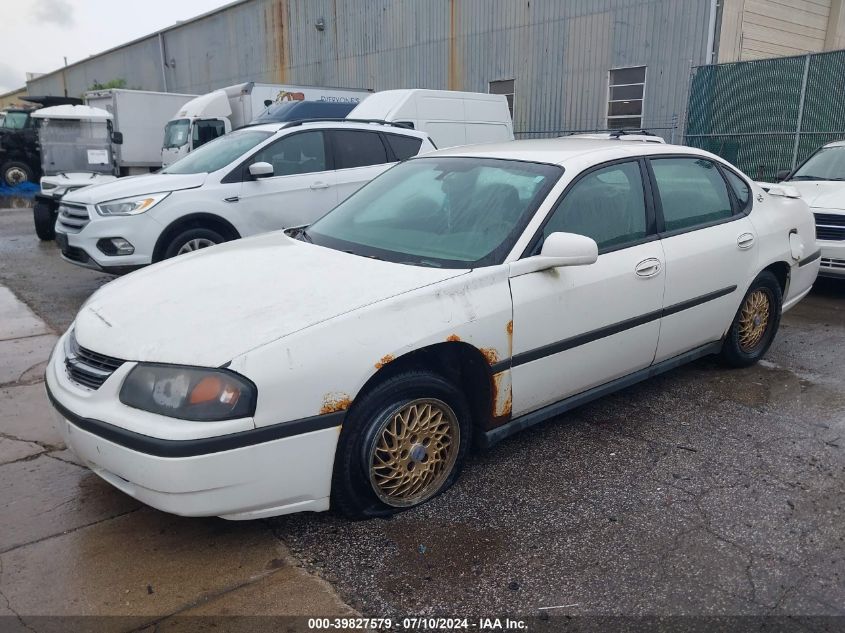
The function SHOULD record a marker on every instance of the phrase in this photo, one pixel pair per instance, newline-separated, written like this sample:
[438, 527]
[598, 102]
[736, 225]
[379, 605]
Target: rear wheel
[14, 173]
[756, 322]
[401, 445]
[192, 240]
[45, 221]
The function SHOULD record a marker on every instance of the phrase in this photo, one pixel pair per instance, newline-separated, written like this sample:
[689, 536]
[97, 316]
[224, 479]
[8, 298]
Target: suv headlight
[189, 393]
[131, 206]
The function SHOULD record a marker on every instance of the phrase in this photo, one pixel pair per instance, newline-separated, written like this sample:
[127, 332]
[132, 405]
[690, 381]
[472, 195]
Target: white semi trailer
[139, 116]
[214, 114]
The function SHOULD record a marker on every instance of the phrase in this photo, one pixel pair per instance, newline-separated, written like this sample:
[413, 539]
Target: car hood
[822, 194]
[208, 307]
[135, 186]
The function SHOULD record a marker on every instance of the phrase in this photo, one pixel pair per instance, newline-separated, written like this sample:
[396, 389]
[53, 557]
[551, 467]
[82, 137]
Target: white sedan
[456, 299]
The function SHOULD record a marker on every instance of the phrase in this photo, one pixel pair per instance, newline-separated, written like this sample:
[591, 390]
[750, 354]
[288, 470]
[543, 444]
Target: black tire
[14, 172]
[192, 235]
[45, 221]
[742, 348]
[354, 488]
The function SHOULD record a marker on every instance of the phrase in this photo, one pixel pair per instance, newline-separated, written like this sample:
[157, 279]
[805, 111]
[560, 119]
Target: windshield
[293, 110]
[15, 120]
[447, 212]
[826, 164]
[218, 153]
[176, 133]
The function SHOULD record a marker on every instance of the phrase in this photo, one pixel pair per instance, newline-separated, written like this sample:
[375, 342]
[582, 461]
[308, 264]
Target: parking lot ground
[71, 545]
[705, 491]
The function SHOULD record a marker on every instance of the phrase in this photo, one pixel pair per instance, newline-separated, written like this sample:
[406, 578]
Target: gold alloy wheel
[414, 451]
[753, 320]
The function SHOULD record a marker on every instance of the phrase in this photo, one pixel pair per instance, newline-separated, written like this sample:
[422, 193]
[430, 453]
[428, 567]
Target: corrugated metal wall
[751, 113]
[559, 53]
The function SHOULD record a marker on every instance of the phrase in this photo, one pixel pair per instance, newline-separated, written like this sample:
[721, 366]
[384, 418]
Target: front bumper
[833, 259]
[245, 473]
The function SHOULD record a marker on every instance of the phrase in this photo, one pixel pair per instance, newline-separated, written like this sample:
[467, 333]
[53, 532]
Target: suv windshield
[448, 212]
[826, 164]
[217, 153]
[176, 133]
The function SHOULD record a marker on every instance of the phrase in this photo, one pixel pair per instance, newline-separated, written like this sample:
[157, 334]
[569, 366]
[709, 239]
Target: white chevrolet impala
[456, 299]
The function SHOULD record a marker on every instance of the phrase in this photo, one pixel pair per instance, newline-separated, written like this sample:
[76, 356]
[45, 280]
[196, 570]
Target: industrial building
[565, 66]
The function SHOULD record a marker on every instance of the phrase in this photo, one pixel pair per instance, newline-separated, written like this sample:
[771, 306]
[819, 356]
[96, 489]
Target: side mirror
[782, 175]
[117, 138]
[559, 249]
[268, 103]
[260, 170]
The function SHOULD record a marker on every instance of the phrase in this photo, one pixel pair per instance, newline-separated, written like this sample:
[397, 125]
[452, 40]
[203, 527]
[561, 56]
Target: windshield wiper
[822, 178]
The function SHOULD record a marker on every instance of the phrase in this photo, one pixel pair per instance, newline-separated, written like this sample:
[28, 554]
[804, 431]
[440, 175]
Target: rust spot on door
[453, 338]
[502, 398]
[334, 402]
[387, 358]
[509, 328]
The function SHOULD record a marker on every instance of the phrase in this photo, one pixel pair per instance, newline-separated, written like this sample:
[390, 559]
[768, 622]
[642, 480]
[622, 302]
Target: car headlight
[131, 206]
[189, 393]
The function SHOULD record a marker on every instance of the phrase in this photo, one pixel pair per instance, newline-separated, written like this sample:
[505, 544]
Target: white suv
[254, 180]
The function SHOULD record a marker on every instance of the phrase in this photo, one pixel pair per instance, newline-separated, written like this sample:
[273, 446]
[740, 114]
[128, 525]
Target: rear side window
[357, 148]
[300, 153]
[692, 192]
[403, 146]
[607, 204]
[740, 188]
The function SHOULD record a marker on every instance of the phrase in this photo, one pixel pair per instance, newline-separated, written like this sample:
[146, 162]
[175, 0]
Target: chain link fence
[767, 115]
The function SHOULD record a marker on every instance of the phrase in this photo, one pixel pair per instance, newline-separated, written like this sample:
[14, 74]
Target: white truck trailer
[214, 114]
[139, 116]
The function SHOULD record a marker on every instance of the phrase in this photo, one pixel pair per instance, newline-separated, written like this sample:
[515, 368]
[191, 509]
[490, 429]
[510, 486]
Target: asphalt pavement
[705, 491]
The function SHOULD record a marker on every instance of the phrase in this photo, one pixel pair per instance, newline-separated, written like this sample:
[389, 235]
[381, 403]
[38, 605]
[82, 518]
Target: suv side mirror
[782, 175]
[117, 138]
[559, 249]
[261, 170]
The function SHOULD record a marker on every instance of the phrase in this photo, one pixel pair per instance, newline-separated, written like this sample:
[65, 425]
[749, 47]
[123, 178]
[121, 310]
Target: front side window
[826, 164]
[607, 204]
[218, 153]
[626, 92]
[207, 130]
[299, 153]
[446, 212]
[357, 148]
[692, 192]
[504, 87]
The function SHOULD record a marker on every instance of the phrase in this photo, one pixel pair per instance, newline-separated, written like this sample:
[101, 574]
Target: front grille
[829, 262]
[86, 367]
[73, 217]
[830, 226]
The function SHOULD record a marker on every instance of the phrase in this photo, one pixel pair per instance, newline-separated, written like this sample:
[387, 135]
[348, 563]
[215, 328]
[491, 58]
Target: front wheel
[192, 240]
[401, 445]
[45, 221]
[756, 322]
[15, 173]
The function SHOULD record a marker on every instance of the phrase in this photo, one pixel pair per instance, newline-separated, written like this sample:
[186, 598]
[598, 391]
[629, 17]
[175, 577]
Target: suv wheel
[192, 240]
[45, 221]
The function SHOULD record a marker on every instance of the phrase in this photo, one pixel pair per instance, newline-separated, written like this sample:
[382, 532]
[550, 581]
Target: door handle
[319, 185]
[746, 240]
[231, 199]
[648, 267]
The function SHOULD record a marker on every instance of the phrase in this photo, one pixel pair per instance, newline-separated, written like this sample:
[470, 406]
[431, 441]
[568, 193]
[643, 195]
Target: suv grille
[73, 217]
[88, 368]
[830, 226]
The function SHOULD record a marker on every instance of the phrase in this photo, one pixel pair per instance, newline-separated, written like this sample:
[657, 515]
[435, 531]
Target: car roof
[328, 123]
[835, 144]
[558, 151]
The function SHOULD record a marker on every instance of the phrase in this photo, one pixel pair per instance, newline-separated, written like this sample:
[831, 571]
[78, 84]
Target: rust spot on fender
[453, 338]
[509, 328]
[334, 402]
[387, 358]
[490, 355]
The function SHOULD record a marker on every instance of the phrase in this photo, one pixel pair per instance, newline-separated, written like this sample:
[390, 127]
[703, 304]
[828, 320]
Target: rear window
[403, 146]
[358, 148]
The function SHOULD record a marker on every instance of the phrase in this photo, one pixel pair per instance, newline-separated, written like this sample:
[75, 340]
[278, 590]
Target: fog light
[115, 246]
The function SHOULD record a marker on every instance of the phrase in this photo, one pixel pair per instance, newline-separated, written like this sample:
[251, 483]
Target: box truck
[449, 117]
[214, 114]
[139, 116]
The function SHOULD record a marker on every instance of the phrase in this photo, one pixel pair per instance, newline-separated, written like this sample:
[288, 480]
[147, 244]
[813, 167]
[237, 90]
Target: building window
[503, 87]
[626, 90]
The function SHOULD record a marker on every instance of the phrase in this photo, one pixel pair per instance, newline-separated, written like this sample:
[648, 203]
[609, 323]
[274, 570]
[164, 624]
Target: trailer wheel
[45, 221]
[14, 173]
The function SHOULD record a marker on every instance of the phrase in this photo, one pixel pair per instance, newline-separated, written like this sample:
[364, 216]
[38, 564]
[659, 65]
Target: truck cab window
[205, 131]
